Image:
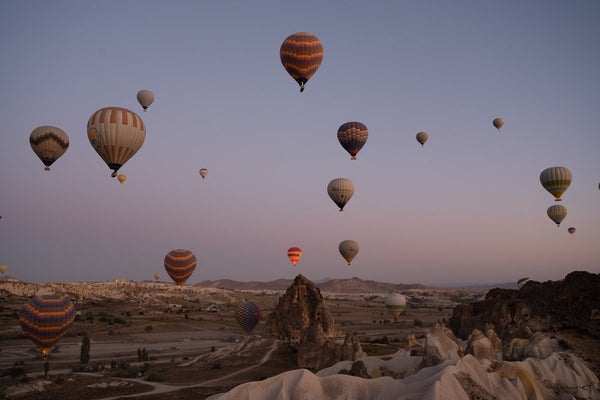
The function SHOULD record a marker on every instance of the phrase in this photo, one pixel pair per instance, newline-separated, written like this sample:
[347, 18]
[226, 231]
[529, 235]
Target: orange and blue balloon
[180, 264]
[353, 136]
[301, 55]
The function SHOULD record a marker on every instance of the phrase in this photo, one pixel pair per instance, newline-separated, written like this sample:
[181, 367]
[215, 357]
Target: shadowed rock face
[301, 307]
[301, 317]
[572, 303]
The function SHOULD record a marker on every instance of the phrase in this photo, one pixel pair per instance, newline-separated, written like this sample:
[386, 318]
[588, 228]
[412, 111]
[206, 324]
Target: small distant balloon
[348, 249]
[294, 254]
[422, 138]
[145, 98]
[157, 276]
[45, 319]
[248, 315]
[557, 213]
[353, 136]
[48, 143]
[572, 231]
[521, 282]
[556, 180]
[204, 172]
[121, 178]
[180, 264]
[394, 303]
[301, 55]
[3, 268]
[340, 190]
[498, 122]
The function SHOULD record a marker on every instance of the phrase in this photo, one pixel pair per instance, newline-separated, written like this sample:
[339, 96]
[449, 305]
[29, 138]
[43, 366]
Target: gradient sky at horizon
[466, 208]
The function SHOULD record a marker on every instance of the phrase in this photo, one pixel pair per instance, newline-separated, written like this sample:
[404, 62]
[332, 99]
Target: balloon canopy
[45, 319]
[348, 249]
[498, 122]
[248, 315]
[394, 303]
[203, 173]
[353, 136]
[340, 190]
[556, 180]
[301, 55]
[422, 138]
[180, 264]
[557, 213]
[48, 143]
[145, 98]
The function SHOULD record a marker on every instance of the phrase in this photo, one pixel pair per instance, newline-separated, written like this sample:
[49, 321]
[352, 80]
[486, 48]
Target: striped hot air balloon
[301, 55]
[556, 180]
[340, 190]
[572, 231]
[180, 264]
[45, 319]
[248, 315]
[352, 137]
[394, 303]
[116, 134]
[557, 213]
[49, 143]
[294, 254]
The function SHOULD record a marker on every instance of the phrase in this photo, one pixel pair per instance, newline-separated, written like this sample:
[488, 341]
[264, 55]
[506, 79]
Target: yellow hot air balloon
[422, 138]
[556, 180]
[203, 173]
[121, 178]
[348, 250]
[145, 98]
[340, 190]
[498, 122]
[3, 268]
[49, 143]
[116, 134]
[557, 213]
[157, 276]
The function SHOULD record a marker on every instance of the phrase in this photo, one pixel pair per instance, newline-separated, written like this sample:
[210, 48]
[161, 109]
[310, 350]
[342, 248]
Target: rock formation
[301, 317]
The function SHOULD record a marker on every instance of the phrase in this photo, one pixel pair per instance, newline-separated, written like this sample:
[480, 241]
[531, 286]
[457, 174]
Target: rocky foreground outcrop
[301, 318]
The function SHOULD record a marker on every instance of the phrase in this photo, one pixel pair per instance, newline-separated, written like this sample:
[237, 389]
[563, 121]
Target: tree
[46, 368]
[84, 356]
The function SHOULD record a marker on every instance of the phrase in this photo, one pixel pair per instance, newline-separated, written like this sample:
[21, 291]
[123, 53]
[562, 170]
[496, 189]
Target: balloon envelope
[556, 180]
[422, 137]
[248, 315]
[45, 319]
[557, 213]
[121, 178]
[498, 122]
[572, 231]
[180, 264]
[3, 268]
[348, 250]
[204, 172]
[340, 190]
[145, 98]
[294, 254]
[301, 55]
[521, 282]
[116, 134]
[157, 276]
[49, 143]
[353, 136]
[394, 303]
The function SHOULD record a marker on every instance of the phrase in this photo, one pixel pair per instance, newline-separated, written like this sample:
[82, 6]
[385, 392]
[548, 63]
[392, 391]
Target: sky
[467, 207]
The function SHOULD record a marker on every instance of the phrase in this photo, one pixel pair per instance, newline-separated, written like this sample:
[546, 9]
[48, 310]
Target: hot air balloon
[521, 282]
[294, 254]
[301, 55]
[498, 122]
[3, 268]
[157, 276]
[145, 98]
[122, 178]
[422, 138]
[116, 134]
[248, 315]
[45, 319]
[204, 172]
[572, 231]
[340, 190]
[348, 250]
[556, 180]
[353, 136]
[557, 213]
[394, 303]
[180, 264]
[49, 143]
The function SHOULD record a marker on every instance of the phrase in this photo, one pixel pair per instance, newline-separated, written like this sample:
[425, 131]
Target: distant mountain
[483, 287]
[352, 285]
